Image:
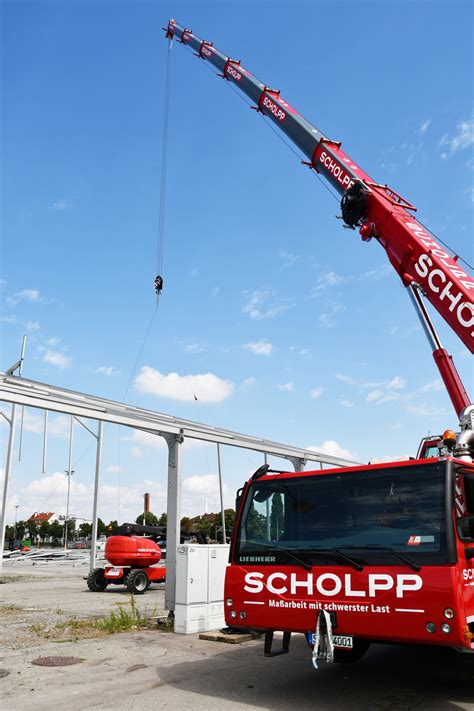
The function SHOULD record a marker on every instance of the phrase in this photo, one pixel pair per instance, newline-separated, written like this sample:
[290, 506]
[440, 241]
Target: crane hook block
[158, 284]
[354, 204]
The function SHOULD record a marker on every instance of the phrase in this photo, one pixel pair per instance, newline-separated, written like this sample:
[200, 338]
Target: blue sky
[303, 331]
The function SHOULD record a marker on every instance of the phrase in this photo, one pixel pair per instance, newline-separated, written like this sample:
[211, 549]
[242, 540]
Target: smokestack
[147, 503]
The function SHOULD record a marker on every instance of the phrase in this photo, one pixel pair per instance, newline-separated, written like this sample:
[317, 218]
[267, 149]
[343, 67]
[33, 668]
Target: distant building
[39, 518]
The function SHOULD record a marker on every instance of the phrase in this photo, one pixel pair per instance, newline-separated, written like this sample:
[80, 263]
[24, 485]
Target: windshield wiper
[289, 551]
[339, 554]
[396, 553]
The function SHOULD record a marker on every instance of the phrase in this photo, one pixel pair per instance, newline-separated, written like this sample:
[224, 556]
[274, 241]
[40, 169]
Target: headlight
[430, 627]
[445, 628]
[449, 613]
[233, 614]
[229, 602]
[243, 615]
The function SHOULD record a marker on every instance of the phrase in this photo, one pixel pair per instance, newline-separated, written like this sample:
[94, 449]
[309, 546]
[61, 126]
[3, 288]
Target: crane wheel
[137, 582]
[96, 581]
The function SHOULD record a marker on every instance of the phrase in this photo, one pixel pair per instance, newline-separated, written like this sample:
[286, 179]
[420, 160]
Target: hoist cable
[164, 161]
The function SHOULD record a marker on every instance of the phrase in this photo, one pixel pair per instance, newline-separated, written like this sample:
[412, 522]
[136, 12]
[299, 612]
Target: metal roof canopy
[29, 393]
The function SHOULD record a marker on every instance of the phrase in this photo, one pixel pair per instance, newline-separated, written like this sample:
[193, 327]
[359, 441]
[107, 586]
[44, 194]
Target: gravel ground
[38, 601]
[157, 670]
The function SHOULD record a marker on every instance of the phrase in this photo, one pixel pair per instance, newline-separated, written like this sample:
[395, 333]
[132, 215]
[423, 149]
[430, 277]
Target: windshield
[371, 516]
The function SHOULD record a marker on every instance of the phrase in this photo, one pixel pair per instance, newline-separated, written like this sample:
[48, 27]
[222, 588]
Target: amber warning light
[449, 438]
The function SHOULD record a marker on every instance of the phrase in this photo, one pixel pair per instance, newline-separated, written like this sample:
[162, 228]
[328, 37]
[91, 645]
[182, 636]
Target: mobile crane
[369, 553]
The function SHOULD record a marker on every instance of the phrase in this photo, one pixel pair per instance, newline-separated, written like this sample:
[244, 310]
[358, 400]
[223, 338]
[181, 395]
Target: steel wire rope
[161, 224]
[164, 164]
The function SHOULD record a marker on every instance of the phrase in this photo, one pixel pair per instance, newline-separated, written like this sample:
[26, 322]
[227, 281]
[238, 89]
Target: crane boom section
[413, 252]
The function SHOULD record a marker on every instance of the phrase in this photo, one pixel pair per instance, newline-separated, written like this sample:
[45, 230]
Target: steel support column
[3, 513]
[96, 494]
[173, 522]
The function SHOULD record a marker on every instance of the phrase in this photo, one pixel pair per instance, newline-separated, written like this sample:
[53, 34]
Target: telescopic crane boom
[376, 210]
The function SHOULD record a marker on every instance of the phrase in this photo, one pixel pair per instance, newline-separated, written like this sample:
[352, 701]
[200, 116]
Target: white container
[200, 572]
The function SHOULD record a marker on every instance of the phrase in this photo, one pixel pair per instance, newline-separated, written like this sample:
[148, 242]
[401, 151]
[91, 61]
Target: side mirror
[465, 526]
[238, 499]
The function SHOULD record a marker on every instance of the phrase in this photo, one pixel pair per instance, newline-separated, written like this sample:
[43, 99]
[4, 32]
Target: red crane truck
[375, 553]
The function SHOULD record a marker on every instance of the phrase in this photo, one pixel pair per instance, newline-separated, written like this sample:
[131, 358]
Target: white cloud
[59, 426]
[374, 395]
[113, 469]
[207, 387]
[107, 370]
[57, 358]
[316, 393]
[328, 279]
[61, 205]
[193, 348]
[327, 319]
[288, 259]
[32, 326]
[32, 423]
[31, 295]
[433, 386]
[259, 348]
[248, 383]
[346, 403]
[262, 304]
[346, 379]
[287, 387]
[424, 409]
[463, 138]
[333, 449]
[425, 125]
[397, 383]
[53, 341]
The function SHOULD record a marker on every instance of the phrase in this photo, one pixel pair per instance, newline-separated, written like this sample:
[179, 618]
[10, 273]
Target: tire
[349, 656]
[137, 582]
[96, 580]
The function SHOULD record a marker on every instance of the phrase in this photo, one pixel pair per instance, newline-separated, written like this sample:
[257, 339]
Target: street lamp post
[17, 506]
[69, 473]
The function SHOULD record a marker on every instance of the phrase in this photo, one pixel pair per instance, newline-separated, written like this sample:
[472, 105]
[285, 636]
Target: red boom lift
[376, 553]
[133, 552]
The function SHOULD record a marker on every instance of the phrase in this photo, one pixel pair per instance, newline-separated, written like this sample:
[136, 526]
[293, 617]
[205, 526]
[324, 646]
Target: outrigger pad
[285, 646]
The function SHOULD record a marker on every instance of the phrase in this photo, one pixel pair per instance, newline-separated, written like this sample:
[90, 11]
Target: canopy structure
[22, 392]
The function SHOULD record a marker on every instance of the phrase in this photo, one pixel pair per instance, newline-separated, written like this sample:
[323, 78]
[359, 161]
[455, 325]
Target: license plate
[341, 641]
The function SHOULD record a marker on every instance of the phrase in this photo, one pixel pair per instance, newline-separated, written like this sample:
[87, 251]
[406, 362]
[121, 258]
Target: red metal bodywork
[381, 603]
[117, 574]
[131, 551]
[413, 252]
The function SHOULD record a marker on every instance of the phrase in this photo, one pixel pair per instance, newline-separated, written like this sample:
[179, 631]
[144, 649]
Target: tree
[186, 524]
[9, 535]
[163, 520]
[204, 525]
[56, 530]
[229, 516]
[150, 519]
[276, 517]
[71, 529]
[85, 530]
[44, 531]
[112, 524]
[256, 525]
[20, 530]
[101, 528]
[32, 530]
